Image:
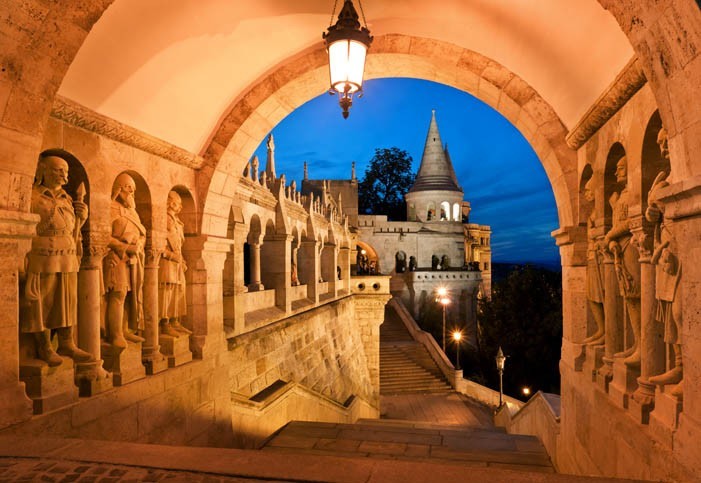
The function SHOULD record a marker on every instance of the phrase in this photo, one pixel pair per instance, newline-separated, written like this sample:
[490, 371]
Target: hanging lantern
[347, 44]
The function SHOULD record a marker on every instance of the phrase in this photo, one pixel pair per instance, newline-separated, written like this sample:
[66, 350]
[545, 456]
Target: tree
[524, 317]
[387, 179]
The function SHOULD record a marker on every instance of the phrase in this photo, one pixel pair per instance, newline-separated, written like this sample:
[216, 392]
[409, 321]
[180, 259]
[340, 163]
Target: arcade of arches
[203, 281]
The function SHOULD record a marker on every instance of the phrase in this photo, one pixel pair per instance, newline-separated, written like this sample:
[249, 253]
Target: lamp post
[501, 359]
[347, 44]
[457, 336]
[444, 301]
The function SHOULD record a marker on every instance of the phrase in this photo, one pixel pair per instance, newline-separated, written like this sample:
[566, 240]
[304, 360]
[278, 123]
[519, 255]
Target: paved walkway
[447, 408]
[69, 460]
[48, 470]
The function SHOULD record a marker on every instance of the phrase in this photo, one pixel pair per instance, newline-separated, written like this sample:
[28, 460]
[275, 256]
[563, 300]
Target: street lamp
[444, 301]
[501, 359]
[347, 44]
[457, 336]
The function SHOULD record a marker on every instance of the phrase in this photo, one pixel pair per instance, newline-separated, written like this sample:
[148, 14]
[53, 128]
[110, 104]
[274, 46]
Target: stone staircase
[414, 441]
[405, 365]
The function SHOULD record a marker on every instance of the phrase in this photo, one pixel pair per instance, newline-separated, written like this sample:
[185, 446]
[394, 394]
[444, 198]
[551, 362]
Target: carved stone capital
[643, 237]
[153, 256]
[629, 81]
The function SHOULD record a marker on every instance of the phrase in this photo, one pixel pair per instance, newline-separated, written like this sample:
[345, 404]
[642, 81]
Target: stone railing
[370, 284]
[447, 275]
[469, 388]
[540, 417]
[258, 417]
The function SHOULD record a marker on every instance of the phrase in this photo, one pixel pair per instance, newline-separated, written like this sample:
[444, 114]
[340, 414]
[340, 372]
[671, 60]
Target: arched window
[445, 211]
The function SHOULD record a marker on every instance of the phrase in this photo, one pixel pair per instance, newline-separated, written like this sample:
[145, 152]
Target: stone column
[613, 342]
[308, 268]
[344, 262]
[651, 340]
[205, 256]
[240, 232]
[16, 231]
[256, 284]
[280, 269]
[572, 242]
[91, 377]
[151, 355]
[329, 261]
[370, 314]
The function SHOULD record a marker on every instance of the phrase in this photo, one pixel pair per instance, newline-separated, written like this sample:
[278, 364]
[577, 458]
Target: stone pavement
[414, 441]
[49, 470]
[55, 459]
[444, 408]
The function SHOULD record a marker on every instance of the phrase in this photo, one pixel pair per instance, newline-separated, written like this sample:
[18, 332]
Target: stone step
[404, 440]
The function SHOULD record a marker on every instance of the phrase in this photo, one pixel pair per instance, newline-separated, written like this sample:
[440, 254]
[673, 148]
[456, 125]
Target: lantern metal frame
[347, 28]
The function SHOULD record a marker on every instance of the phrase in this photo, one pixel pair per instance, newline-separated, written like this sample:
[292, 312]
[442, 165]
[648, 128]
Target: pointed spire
[306, 172]
[353, 171]
[270, 164]
[436, 171]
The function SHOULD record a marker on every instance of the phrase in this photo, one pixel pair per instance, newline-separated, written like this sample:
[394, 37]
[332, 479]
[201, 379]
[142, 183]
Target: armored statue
[434, 262]
[667, 275]
[595, 279]
[172, 305]
[445, 262]
[123, 266]
[51, 288]
[412, 263]
[626, 264]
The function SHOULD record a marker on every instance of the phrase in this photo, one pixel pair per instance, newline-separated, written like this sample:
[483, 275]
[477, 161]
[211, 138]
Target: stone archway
[301, 78]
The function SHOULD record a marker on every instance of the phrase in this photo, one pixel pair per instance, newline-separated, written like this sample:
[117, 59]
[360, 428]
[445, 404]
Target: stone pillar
[205, 256]
[329, 262]
[614, 335]
[240, 232]
[151, 355]
[91, 377]
[651, 337]
[308, 268]
[344, 259]
[16, 231]
[256, 284]
[572, 242]
[279, 269]
[370, 314]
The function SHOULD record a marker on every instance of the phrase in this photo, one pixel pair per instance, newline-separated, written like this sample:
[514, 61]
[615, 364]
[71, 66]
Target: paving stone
[384, 448]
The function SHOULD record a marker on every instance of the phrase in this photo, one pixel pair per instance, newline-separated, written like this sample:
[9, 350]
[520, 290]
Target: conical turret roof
[436, 172]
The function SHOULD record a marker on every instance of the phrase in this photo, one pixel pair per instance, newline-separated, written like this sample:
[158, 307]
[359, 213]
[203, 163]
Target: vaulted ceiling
[171, 68]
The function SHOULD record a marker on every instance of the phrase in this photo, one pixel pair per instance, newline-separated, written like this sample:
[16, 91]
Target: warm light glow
[457, 335]
[363, 252]
[347, 65]
[444, 300]
[442, 291]
[526, 391]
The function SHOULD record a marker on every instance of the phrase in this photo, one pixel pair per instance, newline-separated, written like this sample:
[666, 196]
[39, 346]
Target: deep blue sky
[496, 167]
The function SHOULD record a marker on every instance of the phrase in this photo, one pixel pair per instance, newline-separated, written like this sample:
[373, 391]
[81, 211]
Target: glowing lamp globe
[347, 44]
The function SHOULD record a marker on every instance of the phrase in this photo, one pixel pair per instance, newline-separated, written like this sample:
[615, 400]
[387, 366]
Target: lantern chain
[362, 12]
[333, 12]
